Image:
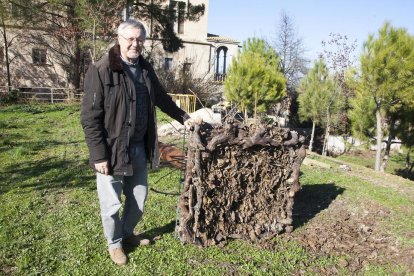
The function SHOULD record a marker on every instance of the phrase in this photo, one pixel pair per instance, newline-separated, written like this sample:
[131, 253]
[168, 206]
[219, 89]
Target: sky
[313, 20]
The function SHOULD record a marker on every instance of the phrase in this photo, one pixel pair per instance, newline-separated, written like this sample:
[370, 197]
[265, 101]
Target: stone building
[207, 55]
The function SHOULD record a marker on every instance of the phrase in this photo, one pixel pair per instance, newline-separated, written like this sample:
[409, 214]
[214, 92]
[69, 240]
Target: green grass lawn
[49, 213]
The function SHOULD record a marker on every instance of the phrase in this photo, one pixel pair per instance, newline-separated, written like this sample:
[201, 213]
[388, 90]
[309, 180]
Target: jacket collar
[115, 63]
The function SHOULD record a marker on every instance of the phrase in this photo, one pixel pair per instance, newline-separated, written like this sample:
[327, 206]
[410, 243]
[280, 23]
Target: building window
[177, 15]
[39, 56]
[186, 68]
[180, 18]
[221, 64]
[168, 63]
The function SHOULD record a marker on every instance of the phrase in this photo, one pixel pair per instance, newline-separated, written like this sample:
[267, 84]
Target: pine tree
[319, 99]
[387, 78]
[254, 81]
[362, 109]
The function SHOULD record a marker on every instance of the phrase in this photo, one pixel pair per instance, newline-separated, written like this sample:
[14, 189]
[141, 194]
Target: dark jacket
[109, 109]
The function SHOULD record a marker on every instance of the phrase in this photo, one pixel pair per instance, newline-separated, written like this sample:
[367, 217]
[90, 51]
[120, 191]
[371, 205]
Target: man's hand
[189, 123]
[102, 167]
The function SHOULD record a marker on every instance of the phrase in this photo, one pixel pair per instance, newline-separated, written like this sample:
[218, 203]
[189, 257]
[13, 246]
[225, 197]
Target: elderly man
[119, 121]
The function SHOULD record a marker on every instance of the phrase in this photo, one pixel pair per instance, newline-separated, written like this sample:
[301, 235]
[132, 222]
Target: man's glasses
[132, 39]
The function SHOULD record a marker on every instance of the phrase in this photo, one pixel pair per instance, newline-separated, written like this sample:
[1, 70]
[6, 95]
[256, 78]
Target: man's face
[131, 41]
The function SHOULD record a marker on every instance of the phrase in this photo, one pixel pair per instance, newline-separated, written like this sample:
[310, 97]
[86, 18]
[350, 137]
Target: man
[119, 121]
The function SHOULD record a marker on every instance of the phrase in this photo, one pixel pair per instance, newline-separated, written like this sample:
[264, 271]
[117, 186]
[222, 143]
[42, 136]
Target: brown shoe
[118, 256]
[135, 241]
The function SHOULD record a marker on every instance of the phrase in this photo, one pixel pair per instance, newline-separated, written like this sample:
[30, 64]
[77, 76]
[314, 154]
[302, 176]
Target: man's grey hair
[134, 24]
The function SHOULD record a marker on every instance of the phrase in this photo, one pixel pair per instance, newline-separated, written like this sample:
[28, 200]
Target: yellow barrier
[185, 101]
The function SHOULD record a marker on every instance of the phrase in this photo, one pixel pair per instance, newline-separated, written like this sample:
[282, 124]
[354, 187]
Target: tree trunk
[74, 66]
[255, 106]
[388, 145]
[75, 78]
[312, 135]
[94, 41]
[74, 69]
[408, 164]
[6, 54]
[379, 136]
[327, 130]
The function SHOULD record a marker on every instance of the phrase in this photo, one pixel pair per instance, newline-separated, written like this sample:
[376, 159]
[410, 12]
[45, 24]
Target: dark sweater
[134, 72]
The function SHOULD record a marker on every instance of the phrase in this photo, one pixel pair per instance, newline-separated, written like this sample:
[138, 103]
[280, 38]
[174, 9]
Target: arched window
[221, 63]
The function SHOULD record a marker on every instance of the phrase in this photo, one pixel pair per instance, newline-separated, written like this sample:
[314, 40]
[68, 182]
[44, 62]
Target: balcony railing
[220, 77]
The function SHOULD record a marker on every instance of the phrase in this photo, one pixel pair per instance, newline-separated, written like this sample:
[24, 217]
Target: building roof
[220, 39]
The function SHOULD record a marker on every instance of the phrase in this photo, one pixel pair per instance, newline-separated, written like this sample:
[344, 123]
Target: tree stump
[240, 182]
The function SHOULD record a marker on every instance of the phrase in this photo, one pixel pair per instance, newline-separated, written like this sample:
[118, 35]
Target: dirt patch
[353, 235]
[7, 270]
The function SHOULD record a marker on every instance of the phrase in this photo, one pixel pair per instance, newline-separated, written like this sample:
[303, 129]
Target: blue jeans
[135, 189]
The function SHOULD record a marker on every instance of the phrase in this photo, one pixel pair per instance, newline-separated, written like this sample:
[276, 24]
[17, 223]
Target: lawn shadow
[311, 200]
[154, 234]
[48, 173]
[159, 231]
[405, 173]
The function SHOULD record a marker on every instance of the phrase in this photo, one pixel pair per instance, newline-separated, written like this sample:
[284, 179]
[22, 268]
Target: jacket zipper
[146, 81]
[130, 107]
[94, 100]
[128, 87]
